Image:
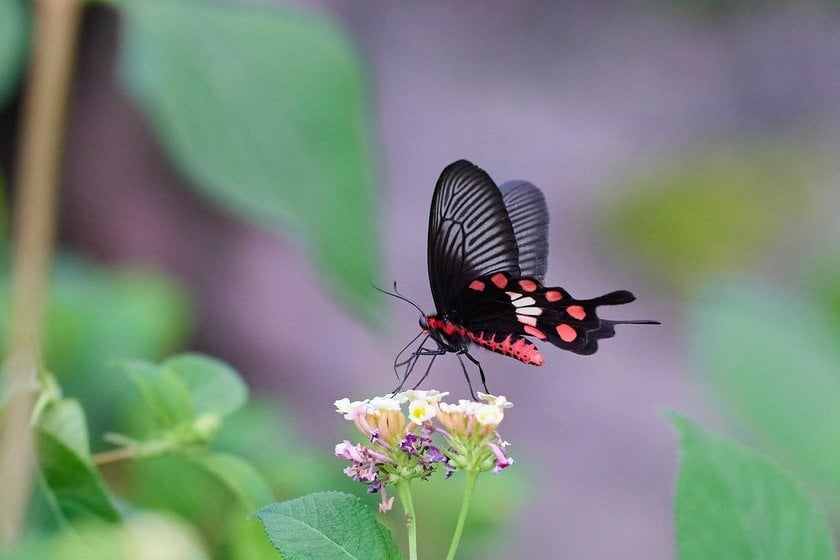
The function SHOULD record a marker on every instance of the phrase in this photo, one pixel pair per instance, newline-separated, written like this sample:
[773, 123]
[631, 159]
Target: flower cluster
[400, 446]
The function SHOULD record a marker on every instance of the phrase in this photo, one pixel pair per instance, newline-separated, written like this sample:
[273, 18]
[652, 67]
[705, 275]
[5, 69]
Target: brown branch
[36, 181]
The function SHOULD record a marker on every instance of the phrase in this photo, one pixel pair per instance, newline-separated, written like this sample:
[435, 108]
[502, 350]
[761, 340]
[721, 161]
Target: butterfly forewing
[528, 214]
[470, 233]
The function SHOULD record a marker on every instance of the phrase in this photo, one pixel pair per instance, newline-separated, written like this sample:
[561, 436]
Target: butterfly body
[487, 257]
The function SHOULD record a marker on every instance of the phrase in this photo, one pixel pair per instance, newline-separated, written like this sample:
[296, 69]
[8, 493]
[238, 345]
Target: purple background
[572, 96]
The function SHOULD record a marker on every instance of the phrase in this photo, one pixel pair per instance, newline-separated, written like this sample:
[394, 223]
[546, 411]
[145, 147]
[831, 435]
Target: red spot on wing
[576, 311]
[553, 295]
[566, 333]
[528, 285]
[477, 285]
[534, 331]
[499, 280]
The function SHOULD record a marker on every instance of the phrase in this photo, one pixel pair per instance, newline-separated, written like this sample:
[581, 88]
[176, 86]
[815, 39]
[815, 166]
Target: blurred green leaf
[214, 386]
[98, 315]
[167, 397]
[246, 541]
[185, 397]
[823, 284]
[712, 215]
[142, 537]
[262, 432]
[74, 485]
[733, 503]
[776, 359]
[328, 526]
[179, 484]
[240, 477]
[266, 110]
[14, 42]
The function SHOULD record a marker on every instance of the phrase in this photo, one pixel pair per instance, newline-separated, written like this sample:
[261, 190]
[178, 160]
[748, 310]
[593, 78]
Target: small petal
[431, 395]
[502, 462]
[421, 410]
[347, 450]
[489, 415]
[351, 409]
[384, 403]
[500, 401]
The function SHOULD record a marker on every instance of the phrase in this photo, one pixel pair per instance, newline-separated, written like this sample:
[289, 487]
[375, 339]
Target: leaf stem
[472, 476]
[404, 492]
[114, 456]
[36, 180]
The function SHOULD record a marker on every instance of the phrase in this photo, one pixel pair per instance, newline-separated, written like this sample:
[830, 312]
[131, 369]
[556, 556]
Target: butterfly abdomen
[455, 338]
[508, 344]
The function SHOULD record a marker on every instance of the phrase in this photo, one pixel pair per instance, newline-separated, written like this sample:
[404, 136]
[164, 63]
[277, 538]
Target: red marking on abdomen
[477, 285]
[553, 295]
[576, 311]
[500, 280]
[566, 333]
[520, 348]
[528, 285]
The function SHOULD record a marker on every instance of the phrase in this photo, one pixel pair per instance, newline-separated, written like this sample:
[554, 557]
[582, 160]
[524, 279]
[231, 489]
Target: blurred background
[686, 152]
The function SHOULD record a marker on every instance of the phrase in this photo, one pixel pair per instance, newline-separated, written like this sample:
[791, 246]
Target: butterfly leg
[428, 369]
[413, 356]
[411, 363]
[480, 371]
[466, 376]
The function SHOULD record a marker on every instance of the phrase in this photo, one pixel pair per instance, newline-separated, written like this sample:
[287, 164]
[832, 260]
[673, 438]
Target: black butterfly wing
[499, 310]
[528, 214]
[470, 233]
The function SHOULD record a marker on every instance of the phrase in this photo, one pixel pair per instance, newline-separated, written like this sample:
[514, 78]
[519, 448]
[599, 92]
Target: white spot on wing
[535, 311]
[522, 302]
[527, 320]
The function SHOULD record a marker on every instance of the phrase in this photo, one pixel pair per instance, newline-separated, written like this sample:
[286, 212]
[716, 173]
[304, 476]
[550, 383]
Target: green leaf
[327, 526]
[712, 214]
[14, 42]
[214, 386]
[166, 395]
[74, 485]
[775, 358]
[734, 504]
[240, 477]
[142, 537]
[97, 315]
[266, 111]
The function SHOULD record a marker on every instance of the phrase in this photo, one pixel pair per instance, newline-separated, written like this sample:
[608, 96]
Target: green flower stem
[472, 476]
[404, 492]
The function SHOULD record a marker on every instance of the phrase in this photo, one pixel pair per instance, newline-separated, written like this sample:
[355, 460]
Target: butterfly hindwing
[528, 214]
[495, 306]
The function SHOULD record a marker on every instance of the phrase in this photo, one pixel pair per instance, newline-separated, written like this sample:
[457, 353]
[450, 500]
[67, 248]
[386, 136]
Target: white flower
[379, 404]
[500, 401]
[420, 410]
[431, 395]
[489, 415]
[349, 408]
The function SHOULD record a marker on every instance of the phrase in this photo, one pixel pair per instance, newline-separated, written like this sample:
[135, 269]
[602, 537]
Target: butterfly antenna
[397, 295]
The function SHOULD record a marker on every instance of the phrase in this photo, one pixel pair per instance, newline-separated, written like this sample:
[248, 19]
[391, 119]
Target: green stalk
[404, 492]
[36, 181]
[472, 476]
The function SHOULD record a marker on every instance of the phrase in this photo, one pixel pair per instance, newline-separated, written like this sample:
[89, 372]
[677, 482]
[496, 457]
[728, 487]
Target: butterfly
[487, 257]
